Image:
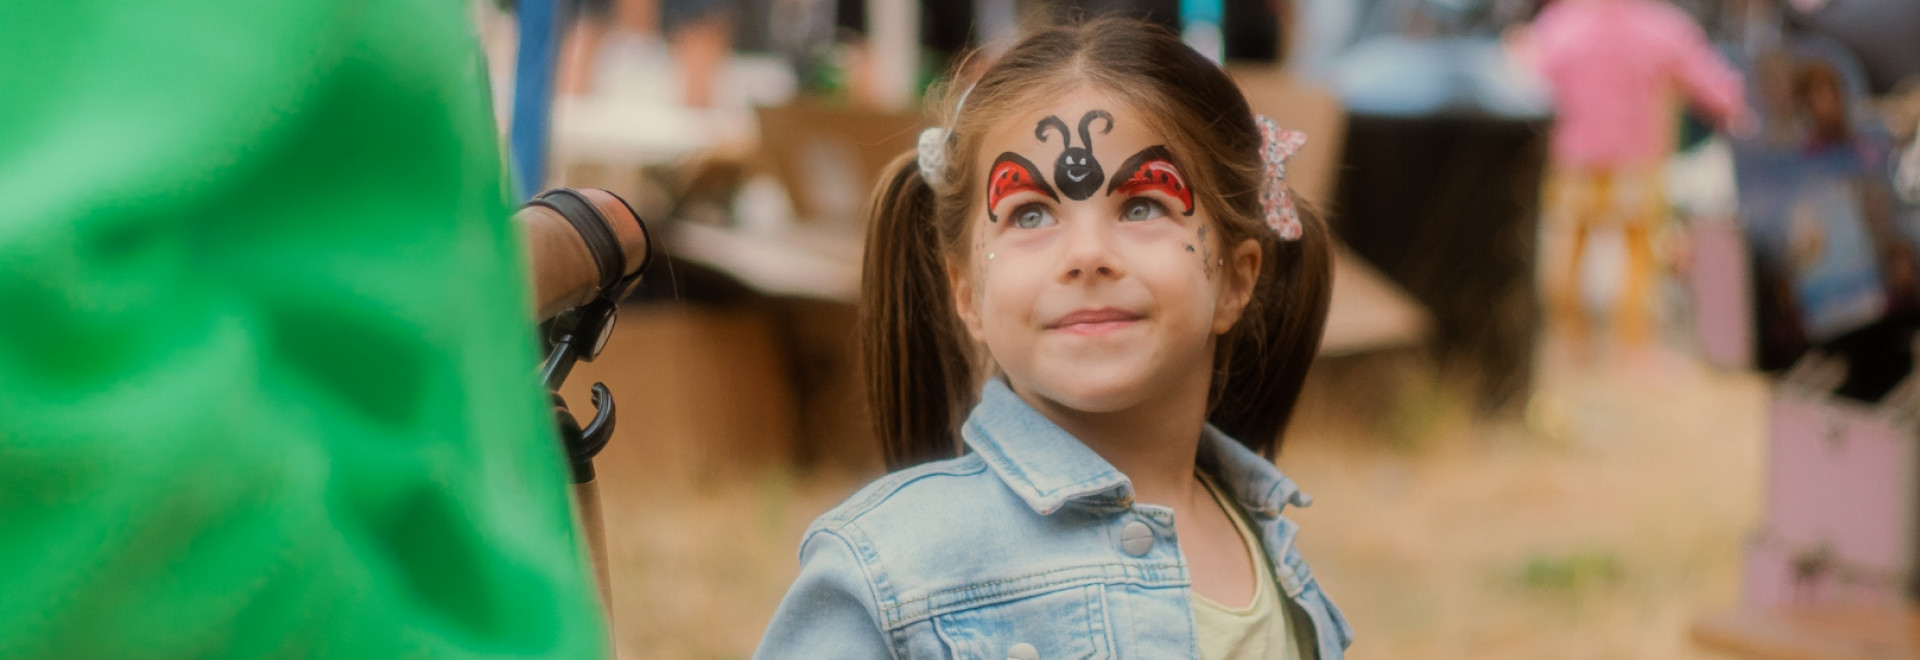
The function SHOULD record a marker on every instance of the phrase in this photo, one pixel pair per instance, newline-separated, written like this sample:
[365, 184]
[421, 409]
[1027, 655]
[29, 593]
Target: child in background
[1100, 235]
[1617, 70]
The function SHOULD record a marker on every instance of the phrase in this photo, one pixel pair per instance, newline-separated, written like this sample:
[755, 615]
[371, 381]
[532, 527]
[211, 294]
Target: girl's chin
[1092, 394]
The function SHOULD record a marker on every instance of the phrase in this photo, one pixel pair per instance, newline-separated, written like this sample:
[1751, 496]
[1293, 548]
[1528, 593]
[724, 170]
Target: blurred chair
[828, 158]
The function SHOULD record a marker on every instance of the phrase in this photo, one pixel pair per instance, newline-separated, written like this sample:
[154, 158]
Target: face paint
[1152, 170]
[1076, 172]
[1206, 253]
[1157, 271]
[1013, 174]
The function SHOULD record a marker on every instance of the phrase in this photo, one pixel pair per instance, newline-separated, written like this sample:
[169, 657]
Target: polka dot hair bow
[1277, 145]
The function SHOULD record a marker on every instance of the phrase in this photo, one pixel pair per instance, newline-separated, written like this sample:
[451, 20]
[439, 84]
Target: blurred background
[1709, 449]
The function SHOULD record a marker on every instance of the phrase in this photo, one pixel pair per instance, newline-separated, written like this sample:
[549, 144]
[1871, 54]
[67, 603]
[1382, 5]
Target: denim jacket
[1029, 546]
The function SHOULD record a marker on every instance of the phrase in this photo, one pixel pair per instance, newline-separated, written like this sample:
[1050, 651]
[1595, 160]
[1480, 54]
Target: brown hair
[920, 363]
[1819, 78]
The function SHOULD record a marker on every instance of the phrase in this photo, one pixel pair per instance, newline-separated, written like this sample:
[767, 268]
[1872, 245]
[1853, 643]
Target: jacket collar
[1048, 468]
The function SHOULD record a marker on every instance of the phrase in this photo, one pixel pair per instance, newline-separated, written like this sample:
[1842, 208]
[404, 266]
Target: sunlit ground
[1597, 530]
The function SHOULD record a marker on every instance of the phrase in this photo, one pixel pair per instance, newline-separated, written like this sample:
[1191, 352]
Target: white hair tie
[933, 147]
[933, 155]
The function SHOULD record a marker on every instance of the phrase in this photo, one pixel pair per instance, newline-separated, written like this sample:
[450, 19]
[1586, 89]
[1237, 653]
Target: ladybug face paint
[1012, 174]
[1076, 172]
[1152, 170]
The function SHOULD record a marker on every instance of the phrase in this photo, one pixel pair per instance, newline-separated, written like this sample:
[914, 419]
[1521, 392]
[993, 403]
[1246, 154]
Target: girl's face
[1094, 277]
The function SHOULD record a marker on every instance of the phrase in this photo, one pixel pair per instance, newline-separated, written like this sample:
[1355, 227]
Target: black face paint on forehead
[1076, 172]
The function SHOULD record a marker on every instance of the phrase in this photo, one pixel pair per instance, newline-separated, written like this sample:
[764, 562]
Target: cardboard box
[701, 394]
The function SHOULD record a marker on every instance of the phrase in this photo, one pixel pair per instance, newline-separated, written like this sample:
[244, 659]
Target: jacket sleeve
[831, 611]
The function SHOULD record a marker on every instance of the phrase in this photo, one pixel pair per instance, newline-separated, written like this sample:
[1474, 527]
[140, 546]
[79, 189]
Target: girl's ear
[960, 282]
[1242, 271]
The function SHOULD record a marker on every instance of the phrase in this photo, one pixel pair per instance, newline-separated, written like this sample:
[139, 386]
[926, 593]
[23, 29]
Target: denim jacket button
[1023, 651]
[1136, 538]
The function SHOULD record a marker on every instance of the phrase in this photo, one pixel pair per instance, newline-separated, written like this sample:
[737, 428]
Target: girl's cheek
[1191, 254]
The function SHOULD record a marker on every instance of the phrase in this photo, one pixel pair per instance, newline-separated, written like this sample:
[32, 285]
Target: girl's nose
[1089, 251]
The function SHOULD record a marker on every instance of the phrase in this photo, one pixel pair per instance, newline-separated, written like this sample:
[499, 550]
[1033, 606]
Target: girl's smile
[1095, 322]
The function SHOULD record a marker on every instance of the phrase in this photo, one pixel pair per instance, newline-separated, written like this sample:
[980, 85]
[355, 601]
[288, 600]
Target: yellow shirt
[1256, 631]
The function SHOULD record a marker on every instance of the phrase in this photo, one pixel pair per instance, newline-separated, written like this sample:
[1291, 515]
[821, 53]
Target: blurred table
[795, 261]
[1824, 633]
[1368, 311]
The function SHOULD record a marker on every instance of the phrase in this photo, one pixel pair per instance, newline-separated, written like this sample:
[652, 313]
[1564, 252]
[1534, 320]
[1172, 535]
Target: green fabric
[266, 362]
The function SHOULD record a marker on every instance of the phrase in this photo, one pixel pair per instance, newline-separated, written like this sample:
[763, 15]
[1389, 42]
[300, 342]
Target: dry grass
[1596, 531]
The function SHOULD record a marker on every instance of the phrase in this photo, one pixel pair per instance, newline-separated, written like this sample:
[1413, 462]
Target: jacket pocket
[1065, 624]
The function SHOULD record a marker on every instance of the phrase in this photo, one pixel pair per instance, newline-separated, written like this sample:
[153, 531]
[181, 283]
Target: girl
[1100, 231]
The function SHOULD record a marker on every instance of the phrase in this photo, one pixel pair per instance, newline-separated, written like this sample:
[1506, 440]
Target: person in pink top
[1617, 71]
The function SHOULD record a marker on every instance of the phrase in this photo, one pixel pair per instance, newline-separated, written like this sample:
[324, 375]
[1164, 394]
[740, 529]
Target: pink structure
[1841, 501]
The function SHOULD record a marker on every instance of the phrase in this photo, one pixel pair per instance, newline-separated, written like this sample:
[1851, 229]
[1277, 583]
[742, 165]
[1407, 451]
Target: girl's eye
[1140, 209]
[1032, 216]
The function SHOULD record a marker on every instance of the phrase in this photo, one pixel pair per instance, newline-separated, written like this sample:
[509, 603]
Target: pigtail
[1265, 359]
[915, 358]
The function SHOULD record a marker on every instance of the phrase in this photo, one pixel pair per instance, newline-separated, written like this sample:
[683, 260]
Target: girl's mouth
[1095, 321]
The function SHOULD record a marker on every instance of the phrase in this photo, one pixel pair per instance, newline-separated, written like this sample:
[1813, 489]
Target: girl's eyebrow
[1152, 169]
[1013, 173]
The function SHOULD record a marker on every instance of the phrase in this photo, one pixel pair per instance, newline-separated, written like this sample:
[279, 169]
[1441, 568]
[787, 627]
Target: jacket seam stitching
[868, 564]
[847, 514]
[888, 611]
